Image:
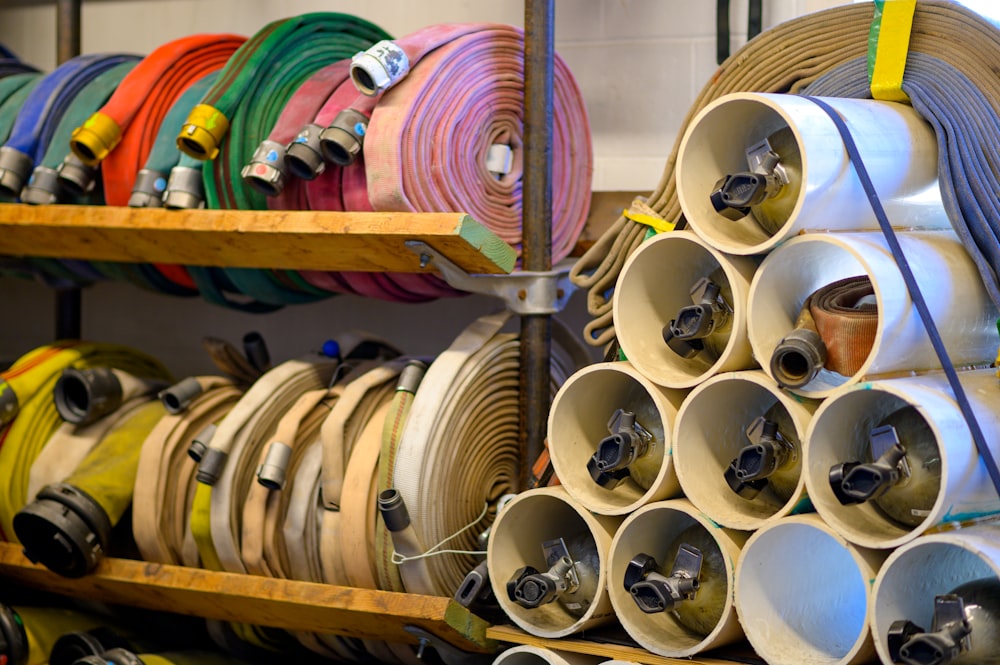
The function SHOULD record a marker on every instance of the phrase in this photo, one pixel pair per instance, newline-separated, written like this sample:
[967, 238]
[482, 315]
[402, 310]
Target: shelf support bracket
[524, 292]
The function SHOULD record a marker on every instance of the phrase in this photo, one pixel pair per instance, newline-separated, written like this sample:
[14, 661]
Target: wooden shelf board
[289, 604]
[279, 239]
[607, 650]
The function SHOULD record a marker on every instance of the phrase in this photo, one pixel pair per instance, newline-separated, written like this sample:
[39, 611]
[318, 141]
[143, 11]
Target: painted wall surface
[638, 63]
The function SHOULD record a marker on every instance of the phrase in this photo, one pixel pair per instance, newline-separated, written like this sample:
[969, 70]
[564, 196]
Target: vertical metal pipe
[539, 21]
[68, 300]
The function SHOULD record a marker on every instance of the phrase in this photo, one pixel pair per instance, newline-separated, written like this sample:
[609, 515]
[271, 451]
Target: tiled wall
[639, 63]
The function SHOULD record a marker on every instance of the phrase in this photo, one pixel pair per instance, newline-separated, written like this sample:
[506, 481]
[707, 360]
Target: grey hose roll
[946, 40]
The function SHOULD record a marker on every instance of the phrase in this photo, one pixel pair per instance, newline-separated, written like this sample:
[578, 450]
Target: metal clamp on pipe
[343, 140]
[652, 591]
[950, 635]
[266, 171]
[629, 440]
[304, 155]
[147, 192]
[43, 188]
[856, 482]
[15, 168]
[185, 189]
[530, 588]
[736, 193]
[709, 314]
[379, 68]
[83, 396]
[78, 178]
[768, 451]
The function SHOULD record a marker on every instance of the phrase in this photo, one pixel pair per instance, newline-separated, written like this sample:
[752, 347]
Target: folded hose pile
[947, 43]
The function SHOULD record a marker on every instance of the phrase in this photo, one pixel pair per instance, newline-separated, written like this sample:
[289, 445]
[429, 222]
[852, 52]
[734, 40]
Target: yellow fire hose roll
[27, 634]
[68, 526]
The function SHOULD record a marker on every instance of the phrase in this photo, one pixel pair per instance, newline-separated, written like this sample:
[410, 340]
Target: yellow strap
[201, 527]
[658, 224]
[891, 48]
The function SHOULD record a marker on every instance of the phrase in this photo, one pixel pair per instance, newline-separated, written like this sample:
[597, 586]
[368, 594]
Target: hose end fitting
[15, 168]
[211, 465]
[148, 189]
[202, 133]
[393, 510]
[9, 404]
[84, 395]
[185, 189]
[179, 396]
[94, 139]
[64, 529]
[411, 376]
[798, 358]
[43, 188]
[343, 140]
[379, 68]
[70, 647]
[304, 157]
[77, 177]
[266, 170]
[271, 472]
[199, 445]
[14, 647]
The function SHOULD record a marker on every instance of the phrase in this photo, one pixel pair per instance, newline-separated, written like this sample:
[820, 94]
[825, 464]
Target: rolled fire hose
[67, 527]
[41, 113]
[34, 419]
[446, 444]
[165, 480]
[671, 574]
[28, 633]
[934, 599]
[835, 330]
[74, 645]
[799, 561]
[956, 298]
[17, 89]
[44, 186]
[885, 464]
[610, 437]
[682, 308]
[484, 70]
[120, 135]
[831, 42]
[737, 450]
[254, 88]
[151, 180]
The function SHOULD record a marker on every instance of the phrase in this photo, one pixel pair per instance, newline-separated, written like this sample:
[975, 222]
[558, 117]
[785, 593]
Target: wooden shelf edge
[513, 635]
[278, 239]
[289, 604]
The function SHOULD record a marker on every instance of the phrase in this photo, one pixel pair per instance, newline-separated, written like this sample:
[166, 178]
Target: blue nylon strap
[915, 295]
[45, 105]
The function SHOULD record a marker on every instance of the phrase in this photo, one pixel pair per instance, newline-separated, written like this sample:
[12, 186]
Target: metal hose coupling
[798, 357]
[118, 656]
[95, 139]
[178, 397]
[15, 168]
[203, 132]
[709, 314]
[185, 189]
[855, 482]
[379, 68]
[9, 403]
[70, 647]
[768, 451]
[83, 395]
[304, 156]
[43, 188]
[344, 139]
[64, 529]
[530, 588]
[14, 647]
[629, 440]
[950, 635]
[654, 592]
[147, 192]
[77, 177]
[734, 194]
[266, 171]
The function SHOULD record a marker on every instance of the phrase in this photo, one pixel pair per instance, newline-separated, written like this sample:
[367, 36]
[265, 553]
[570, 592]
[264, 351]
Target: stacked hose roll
[44, 186]
[120, 135]
[831, 45]
[28, 633]
[14, 91]
[29, 410]
[41, 113]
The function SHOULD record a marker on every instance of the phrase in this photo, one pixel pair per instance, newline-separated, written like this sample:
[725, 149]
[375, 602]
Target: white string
[398, 558]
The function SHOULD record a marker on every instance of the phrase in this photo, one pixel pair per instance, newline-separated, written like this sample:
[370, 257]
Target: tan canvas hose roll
[786, 58]
[165, 480]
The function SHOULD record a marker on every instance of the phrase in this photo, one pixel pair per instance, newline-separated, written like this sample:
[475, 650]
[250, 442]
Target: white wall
[639, 64]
